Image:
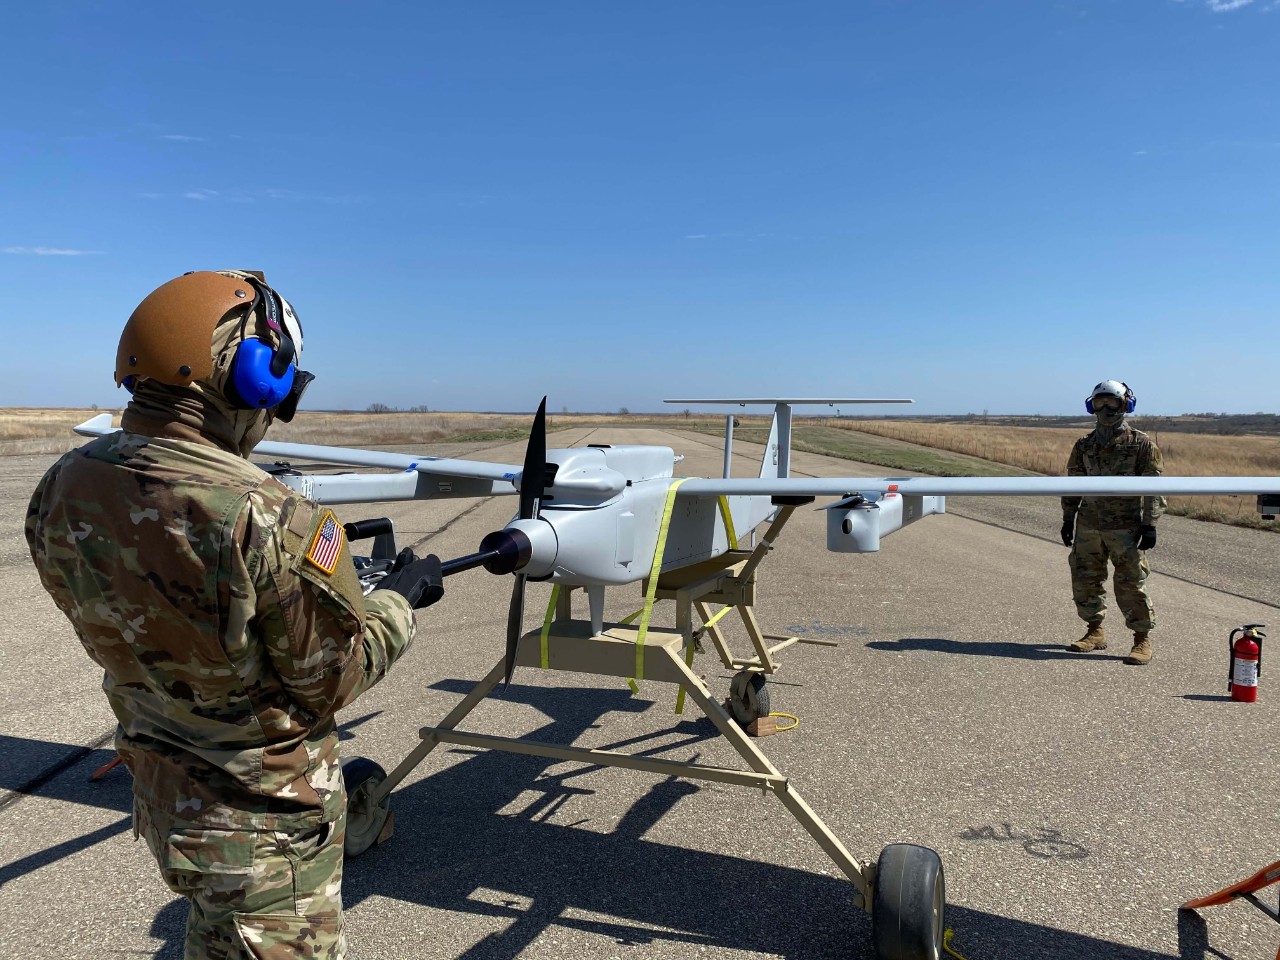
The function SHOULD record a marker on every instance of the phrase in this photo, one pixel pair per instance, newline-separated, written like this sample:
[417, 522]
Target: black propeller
[532, 477]
[507, 551]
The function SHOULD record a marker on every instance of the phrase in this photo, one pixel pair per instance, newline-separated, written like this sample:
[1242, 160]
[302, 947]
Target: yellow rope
[795, 721]
[946, 943]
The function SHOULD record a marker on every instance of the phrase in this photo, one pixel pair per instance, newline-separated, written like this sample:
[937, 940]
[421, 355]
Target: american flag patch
[327, 544]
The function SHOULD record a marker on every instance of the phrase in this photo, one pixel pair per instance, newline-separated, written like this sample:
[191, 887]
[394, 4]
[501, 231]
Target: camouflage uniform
[229, 621]
[1107, 528]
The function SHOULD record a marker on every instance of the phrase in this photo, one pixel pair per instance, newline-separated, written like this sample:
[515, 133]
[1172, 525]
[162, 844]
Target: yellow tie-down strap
[646, 612]
[546, 624]
[728, 523]
[651, 594]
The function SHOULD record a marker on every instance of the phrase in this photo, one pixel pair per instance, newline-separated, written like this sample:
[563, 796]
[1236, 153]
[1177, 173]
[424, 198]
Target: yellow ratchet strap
[651, 593]
[635, 687]
[728, 522]
[716, 617]
[546, 624]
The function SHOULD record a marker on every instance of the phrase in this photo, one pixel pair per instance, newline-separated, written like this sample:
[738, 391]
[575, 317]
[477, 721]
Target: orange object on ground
[106, 767]
[1245, 889]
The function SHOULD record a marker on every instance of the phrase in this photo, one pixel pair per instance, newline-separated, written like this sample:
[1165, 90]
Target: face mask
[1109, 418]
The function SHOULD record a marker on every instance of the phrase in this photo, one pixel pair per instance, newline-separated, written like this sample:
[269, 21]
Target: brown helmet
[168, 337]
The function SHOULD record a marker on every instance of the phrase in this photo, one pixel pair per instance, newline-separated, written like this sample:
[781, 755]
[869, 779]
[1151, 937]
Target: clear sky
[981, 205]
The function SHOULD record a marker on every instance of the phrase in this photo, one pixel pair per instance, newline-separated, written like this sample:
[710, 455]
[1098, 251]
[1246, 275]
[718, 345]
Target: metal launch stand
[570, 645]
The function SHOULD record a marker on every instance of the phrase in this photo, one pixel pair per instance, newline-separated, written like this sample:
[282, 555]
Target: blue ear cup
[1088, 404]
[254, 381]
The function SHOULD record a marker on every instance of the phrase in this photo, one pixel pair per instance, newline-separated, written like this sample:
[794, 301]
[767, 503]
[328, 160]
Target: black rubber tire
[749, 697]
[364, 820]
[908, 905]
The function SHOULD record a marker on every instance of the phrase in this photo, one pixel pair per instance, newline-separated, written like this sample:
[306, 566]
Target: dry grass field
[1038, 449]
[34, 430]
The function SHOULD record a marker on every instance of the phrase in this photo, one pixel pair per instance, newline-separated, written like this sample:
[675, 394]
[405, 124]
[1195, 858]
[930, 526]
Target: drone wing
[418, 478]
[872, 487]
[870, 508]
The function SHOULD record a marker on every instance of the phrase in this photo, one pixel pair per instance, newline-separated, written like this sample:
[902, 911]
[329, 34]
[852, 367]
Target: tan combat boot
[1141, 652]
[1093, 639]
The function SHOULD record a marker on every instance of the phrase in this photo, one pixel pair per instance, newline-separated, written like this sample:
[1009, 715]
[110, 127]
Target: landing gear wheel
[906, 911]
[748, 697]
[365, 819]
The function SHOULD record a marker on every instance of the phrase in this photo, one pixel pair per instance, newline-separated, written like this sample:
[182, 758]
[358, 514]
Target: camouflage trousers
[1088, 560]
[254, 895]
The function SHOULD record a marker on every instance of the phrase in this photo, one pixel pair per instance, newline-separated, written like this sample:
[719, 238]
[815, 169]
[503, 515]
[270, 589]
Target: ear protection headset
[1130, 400]
[261, 376]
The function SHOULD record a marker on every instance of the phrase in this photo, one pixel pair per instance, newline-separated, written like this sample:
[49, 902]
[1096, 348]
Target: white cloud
[695, 236]
[51, 252]
[236, 195]
[182, 138]
[293, 196]
[1226, 6]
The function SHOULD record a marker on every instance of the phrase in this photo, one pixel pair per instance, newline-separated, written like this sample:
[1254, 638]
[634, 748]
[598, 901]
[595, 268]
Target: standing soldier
[1119, 529]
[227, 616]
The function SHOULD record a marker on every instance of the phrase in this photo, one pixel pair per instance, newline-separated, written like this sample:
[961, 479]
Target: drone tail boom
[856, 524]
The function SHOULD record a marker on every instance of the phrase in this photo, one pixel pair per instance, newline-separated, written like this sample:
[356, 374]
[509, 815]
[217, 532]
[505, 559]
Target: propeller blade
[532, 476]
[515, 625]
[535, 464]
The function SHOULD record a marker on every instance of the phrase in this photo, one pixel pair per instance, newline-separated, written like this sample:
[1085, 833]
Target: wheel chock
[762, 727]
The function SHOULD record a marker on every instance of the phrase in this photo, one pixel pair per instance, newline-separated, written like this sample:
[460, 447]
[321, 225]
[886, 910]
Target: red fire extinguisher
[1245, 662]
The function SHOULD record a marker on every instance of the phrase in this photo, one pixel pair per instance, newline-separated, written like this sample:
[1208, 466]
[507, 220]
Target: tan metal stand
[572, 646]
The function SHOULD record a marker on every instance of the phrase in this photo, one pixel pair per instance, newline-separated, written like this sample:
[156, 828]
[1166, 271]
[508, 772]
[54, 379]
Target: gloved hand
[1146, 537]
[417, 580]
[1068, 531]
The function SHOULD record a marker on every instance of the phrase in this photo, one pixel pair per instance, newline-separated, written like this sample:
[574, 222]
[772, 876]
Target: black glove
[417, 580]
[1068, 531]
[1146, 537]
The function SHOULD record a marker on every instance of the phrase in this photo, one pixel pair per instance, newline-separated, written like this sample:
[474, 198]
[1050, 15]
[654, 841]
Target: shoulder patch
[326, 545]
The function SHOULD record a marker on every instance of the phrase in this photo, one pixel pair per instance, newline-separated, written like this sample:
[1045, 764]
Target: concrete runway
[1075, 801]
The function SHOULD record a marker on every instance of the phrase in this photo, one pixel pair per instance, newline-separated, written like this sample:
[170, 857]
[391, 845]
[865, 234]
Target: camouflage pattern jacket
[227, 616]
[1119, 452]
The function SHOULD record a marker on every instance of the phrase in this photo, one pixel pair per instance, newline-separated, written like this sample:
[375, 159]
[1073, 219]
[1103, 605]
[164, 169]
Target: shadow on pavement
[989, 648]
[478, 839]
[463, 846]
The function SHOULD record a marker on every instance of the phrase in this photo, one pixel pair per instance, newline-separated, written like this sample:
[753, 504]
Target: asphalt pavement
[1075, 801]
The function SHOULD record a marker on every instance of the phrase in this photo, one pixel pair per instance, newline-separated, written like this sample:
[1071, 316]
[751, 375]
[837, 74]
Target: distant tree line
[384, 408]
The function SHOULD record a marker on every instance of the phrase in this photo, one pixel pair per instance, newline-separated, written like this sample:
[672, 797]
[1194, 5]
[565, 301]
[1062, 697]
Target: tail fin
[748, 512]
[771, 459]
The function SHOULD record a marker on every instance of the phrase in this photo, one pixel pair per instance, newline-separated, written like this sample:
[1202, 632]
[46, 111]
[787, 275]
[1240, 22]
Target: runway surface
[1075, 801]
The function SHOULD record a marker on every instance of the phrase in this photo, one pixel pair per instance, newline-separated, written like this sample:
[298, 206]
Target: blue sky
[981, 205]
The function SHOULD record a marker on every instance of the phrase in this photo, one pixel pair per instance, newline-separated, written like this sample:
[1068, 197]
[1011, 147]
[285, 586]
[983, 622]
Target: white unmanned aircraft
[602, 516]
